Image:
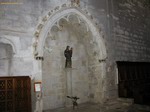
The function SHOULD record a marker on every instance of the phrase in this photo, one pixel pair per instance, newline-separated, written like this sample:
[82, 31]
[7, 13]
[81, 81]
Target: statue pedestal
[69, 90]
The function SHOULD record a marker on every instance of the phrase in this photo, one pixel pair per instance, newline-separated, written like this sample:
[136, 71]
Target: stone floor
[112, 106]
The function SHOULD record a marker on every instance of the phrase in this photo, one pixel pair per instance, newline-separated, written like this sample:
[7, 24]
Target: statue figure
[68, 54]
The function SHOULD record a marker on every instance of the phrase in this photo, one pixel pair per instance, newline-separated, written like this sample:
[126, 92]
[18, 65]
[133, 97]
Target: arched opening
[85, 79]
[7, 51]
[6, 55]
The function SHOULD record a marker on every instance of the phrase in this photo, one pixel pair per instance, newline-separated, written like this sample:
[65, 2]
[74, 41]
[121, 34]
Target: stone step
[126, 100]
[119, 104]
[141, 107]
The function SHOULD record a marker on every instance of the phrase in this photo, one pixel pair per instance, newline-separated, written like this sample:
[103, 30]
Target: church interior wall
[125, 25]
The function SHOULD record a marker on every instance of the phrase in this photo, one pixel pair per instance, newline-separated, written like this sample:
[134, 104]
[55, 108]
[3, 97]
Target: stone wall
[127, 37]
[124, 24]
[18, 23]
[131, 30]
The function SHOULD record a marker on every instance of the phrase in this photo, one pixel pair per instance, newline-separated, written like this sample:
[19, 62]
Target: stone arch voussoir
[54, 16]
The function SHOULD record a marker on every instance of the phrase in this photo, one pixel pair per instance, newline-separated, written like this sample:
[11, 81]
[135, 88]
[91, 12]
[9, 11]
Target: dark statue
[68, 54]
[74, 101]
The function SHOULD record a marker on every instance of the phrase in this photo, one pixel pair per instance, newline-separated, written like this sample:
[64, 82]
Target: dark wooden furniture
[134, 81]
[15, 94]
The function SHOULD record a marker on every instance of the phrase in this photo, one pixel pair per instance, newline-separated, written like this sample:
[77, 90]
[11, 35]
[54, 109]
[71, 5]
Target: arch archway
[9, 42]
[64, 13]
[98, 51]
[7, 50]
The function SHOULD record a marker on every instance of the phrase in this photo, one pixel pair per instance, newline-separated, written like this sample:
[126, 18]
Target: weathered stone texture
[131, 31]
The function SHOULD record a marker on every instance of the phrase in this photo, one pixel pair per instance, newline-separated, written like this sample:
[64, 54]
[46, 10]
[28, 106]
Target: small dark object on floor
[74, 101]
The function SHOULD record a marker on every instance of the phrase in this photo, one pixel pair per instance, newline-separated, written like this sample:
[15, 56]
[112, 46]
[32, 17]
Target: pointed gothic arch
[53, 19]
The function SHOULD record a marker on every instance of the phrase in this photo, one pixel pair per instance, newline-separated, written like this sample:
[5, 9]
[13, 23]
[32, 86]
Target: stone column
[38, 78]
[69, 89]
